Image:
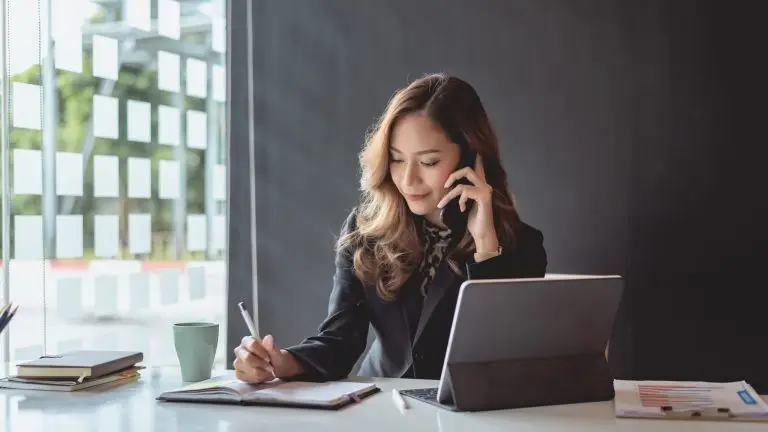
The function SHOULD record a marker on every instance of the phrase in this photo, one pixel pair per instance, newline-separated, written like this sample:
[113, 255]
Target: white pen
[252, 328]
[399, 401]
[248, 320]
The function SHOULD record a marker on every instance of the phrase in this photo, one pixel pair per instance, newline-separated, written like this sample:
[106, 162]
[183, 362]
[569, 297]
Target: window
[118, 174]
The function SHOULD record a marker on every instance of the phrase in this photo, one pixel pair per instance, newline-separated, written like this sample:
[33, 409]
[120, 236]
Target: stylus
[399, 401]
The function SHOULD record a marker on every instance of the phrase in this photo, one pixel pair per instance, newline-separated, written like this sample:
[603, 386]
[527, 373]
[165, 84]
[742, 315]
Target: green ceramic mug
[195, 347]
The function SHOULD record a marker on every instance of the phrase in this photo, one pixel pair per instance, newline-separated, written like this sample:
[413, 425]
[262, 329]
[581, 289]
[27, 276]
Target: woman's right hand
[257, 361]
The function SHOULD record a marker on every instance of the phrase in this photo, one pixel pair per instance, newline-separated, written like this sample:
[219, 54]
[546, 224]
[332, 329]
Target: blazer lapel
[443, 280]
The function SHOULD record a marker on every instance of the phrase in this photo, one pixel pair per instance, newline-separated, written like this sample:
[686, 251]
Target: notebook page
[209, 384]
[326, 393]
[219, 385]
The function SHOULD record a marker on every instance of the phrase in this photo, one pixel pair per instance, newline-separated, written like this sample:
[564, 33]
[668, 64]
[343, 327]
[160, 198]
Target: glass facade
[115, 134]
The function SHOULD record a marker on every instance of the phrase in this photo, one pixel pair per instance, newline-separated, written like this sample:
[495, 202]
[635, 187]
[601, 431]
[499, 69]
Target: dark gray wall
[698, 209]
[551, 74]
[628, 130]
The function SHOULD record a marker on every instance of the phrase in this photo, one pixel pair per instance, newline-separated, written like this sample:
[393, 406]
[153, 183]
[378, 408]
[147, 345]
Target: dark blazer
[342, 337]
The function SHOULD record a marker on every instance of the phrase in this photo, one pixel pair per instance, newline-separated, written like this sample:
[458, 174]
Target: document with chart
[688, 400]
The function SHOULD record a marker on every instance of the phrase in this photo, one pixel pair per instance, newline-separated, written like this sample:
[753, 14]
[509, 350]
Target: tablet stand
[532, 382]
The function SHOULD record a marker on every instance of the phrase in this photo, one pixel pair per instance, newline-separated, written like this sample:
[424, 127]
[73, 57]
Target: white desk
[132, 408]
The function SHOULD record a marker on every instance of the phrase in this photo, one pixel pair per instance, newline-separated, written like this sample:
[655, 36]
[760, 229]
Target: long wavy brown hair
[385, 244]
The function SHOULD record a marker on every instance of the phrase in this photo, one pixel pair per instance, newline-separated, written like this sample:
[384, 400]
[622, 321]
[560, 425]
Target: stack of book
[75, 370]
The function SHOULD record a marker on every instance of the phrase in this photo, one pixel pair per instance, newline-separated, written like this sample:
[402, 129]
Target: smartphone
[451, 215]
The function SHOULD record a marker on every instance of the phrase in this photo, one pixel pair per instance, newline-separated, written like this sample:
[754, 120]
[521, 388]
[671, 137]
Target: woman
[398, 265]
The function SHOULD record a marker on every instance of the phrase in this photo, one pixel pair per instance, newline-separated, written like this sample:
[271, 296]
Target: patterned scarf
[436, 241]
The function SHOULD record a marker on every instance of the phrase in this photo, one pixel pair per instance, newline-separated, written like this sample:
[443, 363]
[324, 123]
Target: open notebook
[228, 389]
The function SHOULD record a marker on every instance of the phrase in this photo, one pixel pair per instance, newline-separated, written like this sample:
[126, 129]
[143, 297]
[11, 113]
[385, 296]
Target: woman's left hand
[480, 223]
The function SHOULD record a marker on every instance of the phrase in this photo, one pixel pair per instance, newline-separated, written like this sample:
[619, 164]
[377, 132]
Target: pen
[399, 401]
[7, 314]
[248, 320]
[252, 328]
